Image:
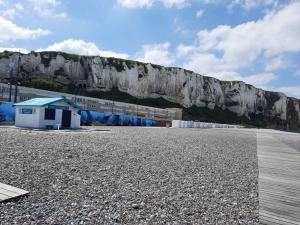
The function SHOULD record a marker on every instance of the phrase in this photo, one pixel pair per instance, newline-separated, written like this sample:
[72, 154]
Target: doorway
[66, 119]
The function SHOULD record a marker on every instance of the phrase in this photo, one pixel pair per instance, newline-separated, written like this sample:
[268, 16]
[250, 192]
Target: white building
[47, 113]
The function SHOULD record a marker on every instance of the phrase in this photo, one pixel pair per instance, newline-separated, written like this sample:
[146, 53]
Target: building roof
[45, 101]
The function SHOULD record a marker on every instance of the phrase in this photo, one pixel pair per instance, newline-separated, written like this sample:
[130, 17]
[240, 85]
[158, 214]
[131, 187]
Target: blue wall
[7, 113]
[111, 119]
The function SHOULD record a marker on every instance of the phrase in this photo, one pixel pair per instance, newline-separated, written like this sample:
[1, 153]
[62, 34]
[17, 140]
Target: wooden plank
[269, 218]
[279, 183]
[13, 189]
[9, 192]
[3, 197]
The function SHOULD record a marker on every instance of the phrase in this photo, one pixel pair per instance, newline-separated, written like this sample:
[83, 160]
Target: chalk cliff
[148, 81]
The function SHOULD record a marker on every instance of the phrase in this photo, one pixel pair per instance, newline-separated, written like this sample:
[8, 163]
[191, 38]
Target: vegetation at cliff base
[204, 114]
[49, 85]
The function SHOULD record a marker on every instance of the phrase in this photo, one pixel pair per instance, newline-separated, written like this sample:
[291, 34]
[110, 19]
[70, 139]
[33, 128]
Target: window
[26, 111]
[49, 114]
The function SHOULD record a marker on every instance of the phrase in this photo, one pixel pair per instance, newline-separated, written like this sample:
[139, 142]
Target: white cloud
[82, 48]
[200, 13]
[42, 3]
[260, 80]
[156, 53]
[227, 48]
[203, 63]
[136, 3]
[249, 4]
[176, 3]
[209, 64]
[276, 63]
[290, 91]
[183, 50]
[10, 31]
[44, 8]
[13, 11]
[62, 15]
[276, 33]
[212, 1]
[49, 13]
[149, 3]
[48, 8]
[225, 75]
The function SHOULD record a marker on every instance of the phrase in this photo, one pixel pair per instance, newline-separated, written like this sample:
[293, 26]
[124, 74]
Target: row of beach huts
[192, 124]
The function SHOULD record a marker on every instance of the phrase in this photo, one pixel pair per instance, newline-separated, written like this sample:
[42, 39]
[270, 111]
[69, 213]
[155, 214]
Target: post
[16, 91]
[16, 80]
[10, 90]
[11, 66]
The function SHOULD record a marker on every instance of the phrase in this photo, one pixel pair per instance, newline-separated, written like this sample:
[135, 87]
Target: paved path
[279, 180]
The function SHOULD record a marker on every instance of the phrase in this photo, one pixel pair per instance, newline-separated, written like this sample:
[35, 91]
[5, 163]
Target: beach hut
[47, 113]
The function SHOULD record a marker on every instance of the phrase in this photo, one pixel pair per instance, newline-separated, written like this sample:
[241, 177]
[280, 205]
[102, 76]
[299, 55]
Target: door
[66, 119]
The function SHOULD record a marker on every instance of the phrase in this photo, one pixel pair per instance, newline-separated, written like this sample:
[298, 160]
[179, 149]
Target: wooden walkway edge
[279, 181]
[8, 192]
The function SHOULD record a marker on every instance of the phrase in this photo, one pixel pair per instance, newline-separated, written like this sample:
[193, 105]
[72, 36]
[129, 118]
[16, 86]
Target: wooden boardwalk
[8, 192]
[279, 181]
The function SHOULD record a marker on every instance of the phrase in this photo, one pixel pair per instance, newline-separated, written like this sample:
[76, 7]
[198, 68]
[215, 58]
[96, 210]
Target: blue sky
[257, 41]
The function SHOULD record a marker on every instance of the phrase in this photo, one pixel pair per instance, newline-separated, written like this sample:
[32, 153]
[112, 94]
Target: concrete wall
[28, 120]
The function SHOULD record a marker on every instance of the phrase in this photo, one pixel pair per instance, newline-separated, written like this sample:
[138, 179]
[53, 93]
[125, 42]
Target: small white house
[47, 113]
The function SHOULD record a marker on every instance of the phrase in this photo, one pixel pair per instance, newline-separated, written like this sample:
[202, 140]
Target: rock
[136, 206]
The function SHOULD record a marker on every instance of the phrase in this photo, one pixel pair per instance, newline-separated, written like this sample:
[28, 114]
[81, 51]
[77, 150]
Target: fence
[92, 104]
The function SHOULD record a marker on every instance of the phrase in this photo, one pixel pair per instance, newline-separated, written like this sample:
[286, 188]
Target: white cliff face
[151, 81]
[280, 108]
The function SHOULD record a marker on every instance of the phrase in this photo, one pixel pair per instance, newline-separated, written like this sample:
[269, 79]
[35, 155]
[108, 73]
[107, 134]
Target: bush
[5, 55]
[130, 64]
[71, 57]
[50, 85]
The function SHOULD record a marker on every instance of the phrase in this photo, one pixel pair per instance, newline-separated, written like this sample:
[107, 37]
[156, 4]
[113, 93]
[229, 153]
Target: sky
[256, 41]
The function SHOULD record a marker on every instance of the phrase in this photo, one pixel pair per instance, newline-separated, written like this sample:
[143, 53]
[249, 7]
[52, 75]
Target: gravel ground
[131, 176]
